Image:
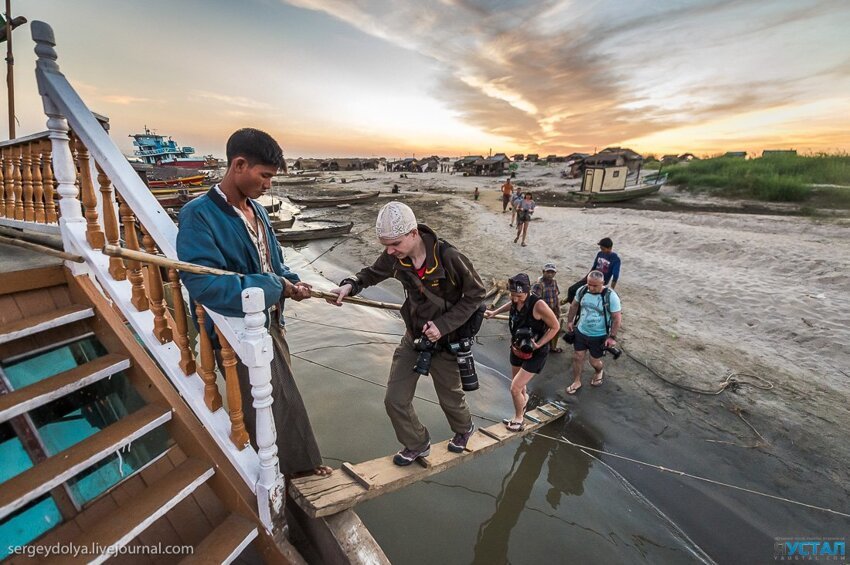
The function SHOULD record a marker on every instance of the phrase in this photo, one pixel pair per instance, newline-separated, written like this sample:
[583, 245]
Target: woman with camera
[524, 210]
[533, 325]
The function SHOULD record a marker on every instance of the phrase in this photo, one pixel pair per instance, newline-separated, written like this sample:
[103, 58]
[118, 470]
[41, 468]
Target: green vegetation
[783, 178]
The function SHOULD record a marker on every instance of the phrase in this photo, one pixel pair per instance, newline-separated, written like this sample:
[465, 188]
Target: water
[532, 501]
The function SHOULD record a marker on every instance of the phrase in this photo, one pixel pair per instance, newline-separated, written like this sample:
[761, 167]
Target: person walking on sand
[546, 288]
[515, 201]
[599, 317]
[227, 229]
[606, 262]
[507, 193]
[443, 299]
[523, 216]
[476, 194]
[532, 325]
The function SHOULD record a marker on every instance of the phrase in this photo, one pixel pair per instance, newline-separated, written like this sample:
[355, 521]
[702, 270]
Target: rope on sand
[584, 449]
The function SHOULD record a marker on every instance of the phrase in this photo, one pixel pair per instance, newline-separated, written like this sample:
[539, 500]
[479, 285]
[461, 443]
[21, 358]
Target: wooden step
[225, 543]
[45, 321]
[344, 488]
[120, 527]
[38, 394]
[32, 483]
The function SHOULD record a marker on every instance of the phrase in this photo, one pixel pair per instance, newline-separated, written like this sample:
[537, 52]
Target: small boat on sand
[351, 198]
[295, 180]
[176, 199]
[279, 223]
[309, 234]
[599, 190]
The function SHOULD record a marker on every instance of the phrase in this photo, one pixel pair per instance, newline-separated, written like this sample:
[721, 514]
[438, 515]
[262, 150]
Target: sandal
[573, 388]
[556, 350]
[515, 426]
[597, 379]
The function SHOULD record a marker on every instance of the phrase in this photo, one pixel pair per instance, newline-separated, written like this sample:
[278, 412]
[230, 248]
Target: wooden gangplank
[352, 484]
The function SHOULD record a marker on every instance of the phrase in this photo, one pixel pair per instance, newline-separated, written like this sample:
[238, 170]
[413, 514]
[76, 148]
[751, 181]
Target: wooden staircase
[187, 495]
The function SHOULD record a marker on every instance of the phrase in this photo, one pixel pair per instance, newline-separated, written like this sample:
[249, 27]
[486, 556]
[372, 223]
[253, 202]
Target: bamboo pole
[115, 251]
[41, 249]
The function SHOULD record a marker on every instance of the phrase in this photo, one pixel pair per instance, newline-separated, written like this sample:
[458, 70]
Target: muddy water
[532, 501]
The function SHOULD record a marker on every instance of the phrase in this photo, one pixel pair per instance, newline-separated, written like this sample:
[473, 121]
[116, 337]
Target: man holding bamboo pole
[227, 229]
[441, 310]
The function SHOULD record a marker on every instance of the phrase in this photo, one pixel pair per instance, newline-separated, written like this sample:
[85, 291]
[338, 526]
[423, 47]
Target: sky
[454, 77]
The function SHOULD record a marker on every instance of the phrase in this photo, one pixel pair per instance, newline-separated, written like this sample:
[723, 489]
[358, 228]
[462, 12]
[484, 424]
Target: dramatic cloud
[562, 75]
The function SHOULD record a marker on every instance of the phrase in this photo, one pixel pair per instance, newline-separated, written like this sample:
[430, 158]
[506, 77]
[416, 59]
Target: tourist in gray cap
[443, 292]
[546, 288]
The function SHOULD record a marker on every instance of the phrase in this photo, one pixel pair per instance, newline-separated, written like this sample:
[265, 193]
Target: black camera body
[461, 347]
[614, 351]
[523, 338]
[570, 337]
[465, 363]
[426, 349]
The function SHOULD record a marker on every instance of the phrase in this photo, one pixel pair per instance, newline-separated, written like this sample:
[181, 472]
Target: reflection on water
[534, 500]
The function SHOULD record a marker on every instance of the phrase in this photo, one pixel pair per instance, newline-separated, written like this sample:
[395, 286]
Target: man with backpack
[599, 316]
[443, 299]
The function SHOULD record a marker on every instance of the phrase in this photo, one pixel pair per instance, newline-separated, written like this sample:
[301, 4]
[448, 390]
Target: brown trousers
[402, 387]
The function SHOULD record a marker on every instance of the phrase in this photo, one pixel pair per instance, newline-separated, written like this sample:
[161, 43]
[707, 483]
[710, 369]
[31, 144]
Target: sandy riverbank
[704, 295]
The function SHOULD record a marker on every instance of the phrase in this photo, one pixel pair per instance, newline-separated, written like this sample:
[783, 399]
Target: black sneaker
[458, 443]
[407, 456]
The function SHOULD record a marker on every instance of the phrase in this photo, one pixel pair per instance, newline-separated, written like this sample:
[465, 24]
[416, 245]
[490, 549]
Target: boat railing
[118, 209]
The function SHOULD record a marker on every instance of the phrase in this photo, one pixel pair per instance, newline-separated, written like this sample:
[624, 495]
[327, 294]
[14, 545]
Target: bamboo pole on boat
[115, 251]
[41, 249]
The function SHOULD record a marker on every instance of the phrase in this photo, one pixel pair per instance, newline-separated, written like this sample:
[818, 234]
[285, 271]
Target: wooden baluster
[238, 434]
[181, 338]
[134, 268]
[26, 177]
[19, 188]
[94, 235]
[48, 182]
[2, 183]
[9, 182]
[212, 398]
[110, 224]
[160, 325]
[37, 184]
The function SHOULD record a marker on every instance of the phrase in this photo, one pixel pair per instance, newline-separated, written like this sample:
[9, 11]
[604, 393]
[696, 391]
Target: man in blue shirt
[606, 262]
[599, 320]
[226, 229]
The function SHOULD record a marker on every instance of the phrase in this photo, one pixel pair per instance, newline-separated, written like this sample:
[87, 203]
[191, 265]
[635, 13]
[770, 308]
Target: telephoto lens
[614, 351]
[466, 365]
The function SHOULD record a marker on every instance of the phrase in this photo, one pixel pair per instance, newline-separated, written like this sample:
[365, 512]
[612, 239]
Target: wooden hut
[532, 157]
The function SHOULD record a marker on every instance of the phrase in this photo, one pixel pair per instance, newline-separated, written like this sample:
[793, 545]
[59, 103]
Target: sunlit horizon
[329, 78]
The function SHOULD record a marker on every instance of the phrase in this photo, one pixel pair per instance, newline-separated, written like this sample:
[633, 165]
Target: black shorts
[533, 365]
[588, 343]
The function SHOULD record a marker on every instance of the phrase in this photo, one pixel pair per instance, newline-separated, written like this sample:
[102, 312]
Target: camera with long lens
[614, 351]
[523, 340]
[465, 363]
[570, 337]
[426, 349]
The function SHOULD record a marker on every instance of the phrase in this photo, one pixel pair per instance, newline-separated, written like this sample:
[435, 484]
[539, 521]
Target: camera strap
[606, 306]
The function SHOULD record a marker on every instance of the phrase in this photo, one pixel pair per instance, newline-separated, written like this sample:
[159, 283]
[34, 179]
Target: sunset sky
[451, 77]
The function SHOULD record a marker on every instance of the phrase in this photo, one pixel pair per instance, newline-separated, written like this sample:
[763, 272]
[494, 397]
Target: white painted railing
[86, 223]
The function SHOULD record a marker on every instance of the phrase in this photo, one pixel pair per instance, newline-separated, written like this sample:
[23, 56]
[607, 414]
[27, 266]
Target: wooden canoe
[623, 195]
[294, 181]
[194, 180]
[282, 223]
[175, 200]
[353, 198]
[308, 234]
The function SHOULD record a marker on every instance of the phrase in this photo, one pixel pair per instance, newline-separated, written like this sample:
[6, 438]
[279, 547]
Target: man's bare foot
[573, 388]
[322, 471]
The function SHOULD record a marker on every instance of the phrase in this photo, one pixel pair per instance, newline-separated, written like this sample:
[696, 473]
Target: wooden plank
[57, 469]
[30, 279]
[120, 527]
[40, 393]
[225, 543]
[44, 321]
[323, 496]
[346, 466]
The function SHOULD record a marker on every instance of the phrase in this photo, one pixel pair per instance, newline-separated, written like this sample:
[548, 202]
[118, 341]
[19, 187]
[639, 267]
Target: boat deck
[352, 484]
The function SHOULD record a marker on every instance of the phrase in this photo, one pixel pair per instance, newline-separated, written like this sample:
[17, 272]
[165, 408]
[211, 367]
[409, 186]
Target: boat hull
[620, 195]
[309, 234]
[317, 201]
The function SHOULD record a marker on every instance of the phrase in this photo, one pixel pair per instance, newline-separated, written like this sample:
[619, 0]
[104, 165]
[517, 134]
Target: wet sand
[704, 294]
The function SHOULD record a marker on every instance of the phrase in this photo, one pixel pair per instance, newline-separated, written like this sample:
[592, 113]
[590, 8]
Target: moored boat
[308, 234]
[194, 180]
[598, 190]
[351, 198]
[155, 149]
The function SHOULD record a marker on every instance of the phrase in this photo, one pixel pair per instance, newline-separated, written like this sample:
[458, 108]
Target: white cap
[395, 220]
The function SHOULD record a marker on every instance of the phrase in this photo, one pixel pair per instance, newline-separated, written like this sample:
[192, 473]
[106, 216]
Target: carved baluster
[2, 183]
[160, 324]
[9, 182]
[17, 156]
[94, 235]
[258, 353]
[37, 184]
[238, 434]
[212, 398]
[26, 177]
[48, 182]
[134, 268]
[181, 338]
[110, 224]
